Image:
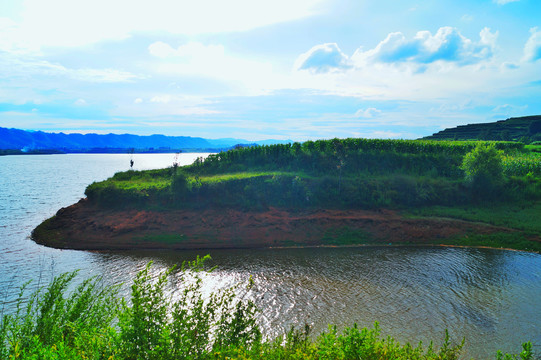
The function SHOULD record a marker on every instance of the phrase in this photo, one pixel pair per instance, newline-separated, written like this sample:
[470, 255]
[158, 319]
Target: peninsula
[318, 193]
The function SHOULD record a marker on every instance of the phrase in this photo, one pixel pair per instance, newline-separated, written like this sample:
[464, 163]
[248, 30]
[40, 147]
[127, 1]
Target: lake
[489, 296]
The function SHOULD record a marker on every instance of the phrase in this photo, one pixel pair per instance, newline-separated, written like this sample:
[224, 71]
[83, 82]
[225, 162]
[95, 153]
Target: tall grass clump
[522, 164]
[93, 322]
[352, 173]
[54, 325]
[483, 168]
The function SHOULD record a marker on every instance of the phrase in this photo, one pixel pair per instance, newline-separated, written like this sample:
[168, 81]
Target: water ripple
[489, 296]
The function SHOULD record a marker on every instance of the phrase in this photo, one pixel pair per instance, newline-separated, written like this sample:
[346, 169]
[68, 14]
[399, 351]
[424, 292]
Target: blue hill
[39, 140]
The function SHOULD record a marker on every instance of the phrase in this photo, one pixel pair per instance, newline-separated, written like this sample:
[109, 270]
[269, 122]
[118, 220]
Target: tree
[483, 169]
[179, 186]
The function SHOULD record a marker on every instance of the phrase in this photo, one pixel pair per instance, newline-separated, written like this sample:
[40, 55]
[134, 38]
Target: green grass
[346, 236]
[421, 178]
[522, 216]
[504, 240]
[534, 148]
[339, 173]
[522, 163]
[142, 185]
[93, 322]
[209, 179]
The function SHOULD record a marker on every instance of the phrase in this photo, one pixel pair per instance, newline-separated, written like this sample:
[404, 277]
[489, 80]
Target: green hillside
[347, 173]
[525, 129]
[497, 183]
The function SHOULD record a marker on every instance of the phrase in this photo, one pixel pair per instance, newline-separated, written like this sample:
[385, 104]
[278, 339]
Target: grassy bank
[332, 192]
[497, 183]
[93, 322]
[347, 173]
[521, 216]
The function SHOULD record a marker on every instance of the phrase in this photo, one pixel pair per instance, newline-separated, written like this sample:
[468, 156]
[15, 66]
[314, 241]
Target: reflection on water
[488, 296]
[33, 188]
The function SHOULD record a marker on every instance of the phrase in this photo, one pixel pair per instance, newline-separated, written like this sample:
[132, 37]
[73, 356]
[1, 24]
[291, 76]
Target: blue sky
[258, 69]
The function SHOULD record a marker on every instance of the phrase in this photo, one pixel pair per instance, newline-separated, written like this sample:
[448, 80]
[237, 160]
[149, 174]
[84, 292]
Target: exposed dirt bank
[82, 226]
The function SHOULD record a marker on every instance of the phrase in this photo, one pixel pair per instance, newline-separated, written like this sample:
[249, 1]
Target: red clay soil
[83, 226]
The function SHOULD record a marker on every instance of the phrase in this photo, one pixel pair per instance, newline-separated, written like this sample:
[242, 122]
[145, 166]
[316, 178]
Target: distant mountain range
[525, 128]
[13, 141]
[33, 141]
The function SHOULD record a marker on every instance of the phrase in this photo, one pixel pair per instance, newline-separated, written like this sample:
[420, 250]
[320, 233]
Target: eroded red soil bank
[83, 226]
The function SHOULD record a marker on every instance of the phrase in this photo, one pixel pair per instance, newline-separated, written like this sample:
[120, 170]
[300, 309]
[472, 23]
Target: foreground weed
[93, 322]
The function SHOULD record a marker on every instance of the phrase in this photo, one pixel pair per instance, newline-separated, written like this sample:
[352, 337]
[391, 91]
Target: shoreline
[333, 247]
[402, 245]
[84, 226]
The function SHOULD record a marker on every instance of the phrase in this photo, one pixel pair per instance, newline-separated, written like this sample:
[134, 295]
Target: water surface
[489, 296]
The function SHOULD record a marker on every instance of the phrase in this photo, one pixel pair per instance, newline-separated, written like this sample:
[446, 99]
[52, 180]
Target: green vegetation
[522, 216]
[471, 180]
[346, 236]
[523, 163]
[30, 152]
[347, 173]
[483, 169]
[93, 322]
[503, 240]
[526, 129]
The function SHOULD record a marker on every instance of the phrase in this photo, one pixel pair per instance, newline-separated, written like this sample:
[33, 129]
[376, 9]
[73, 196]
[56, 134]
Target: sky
[267, 69]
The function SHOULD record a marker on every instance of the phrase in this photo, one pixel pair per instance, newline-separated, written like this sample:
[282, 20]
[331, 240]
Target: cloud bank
[69, 23]
[447, 45]
[323, 58]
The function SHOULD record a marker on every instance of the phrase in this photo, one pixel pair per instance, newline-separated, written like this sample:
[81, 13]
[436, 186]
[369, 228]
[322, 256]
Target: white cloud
[323, 58]
[488, 39]
[503, 2]
[213, 61]
[367, 113]
[12, 65]
[68, 23]
[80, 102]
[425, 67]
[509, 66]
[447, 45]
[160, 49]
[378, 134]
[467, 18]
[164, 99]
[532, 48]
[192, 50]
[101, 75]
[9, 37]
[164, 105]
[508, 108]
[403, 81]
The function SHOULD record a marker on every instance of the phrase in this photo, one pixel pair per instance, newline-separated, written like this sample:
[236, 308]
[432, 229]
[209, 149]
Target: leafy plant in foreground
[156, 324]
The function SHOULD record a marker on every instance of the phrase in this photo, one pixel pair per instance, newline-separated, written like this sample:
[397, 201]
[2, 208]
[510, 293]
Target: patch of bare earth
[83, 226]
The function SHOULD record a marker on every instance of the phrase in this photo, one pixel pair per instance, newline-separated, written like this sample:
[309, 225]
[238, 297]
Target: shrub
[93, 323]
[179, 186]
[483, 168]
